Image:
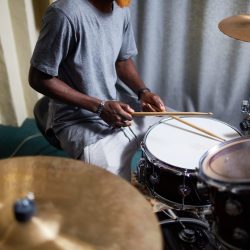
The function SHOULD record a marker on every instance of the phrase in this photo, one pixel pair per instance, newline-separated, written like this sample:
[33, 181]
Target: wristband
[141, 91]
[100, 108]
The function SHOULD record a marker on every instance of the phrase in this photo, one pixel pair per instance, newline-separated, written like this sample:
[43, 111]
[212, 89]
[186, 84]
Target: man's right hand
[117, 114]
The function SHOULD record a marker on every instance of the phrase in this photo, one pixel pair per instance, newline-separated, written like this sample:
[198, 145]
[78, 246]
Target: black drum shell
[177, 184]
[230, 198]
[166, 183]
[226, 222]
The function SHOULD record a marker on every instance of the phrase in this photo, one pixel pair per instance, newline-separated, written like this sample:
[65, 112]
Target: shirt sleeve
[128, 48]
[54, 42]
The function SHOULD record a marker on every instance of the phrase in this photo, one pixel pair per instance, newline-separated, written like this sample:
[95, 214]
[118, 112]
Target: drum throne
[40, 112]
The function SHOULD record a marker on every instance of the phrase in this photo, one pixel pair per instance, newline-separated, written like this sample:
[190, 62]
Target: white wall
[19, 26]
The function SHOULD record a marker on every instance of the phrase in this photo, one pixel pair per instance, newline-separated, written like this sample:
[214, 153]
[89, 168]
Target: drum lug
[240, 189]
[143, 146]
[154, 179]
[240, 234]
[184, 190]
[140, 171]
[223, 189]
[202, 188]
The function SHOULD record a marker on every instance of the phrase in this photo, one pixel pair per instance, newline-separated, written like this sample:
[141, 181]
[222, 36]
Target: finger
[158, 104]
[127, 108]
[125, 111]
[148, 107]
[152, 107]
[123, 124]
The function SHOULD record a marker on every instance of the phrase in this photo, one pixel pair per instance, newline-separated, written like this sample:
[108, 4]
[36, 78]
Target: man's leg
[115, 152]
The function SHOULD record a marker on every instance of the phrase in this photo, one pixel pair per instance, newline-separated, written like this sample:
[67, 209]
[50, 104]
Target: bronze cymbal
[237, 27]
[78, 206]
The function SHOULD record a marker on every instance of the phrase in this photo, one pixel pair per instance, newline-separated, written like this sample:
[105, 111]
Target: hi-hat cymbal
[78, 206]
[237, 27]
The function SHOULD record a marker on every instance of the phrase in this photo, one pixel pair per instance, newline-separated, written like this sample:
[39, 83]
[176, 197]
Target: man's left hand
[150, 102]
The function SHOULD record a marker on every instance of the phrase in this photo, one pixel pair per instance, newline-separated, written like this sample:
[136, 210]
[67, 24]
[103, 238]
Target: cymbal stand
[245, 123]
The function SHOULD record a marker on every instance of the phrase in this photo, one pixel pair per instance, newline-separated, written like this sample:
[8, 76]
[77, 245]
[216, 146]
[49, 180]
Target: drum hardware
[140, 171]
[184, 190]
[245, 110]
[245, 107]
[233, 207]
[181, 220]
[241, 235]
[185, 230]
[201, 187]
[187, 235]
[25, 208]
[154, 179]
[240, 189]
[176, 219]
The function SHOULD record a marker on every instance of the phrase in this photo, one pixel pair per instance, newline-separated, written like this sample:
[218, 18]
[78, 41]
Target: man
[84, 45]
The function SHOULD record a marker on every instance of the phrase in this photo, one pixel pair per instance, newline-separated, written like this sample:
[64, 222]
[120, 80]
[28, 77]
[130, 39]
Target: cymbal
[237, 27]
[78, 206]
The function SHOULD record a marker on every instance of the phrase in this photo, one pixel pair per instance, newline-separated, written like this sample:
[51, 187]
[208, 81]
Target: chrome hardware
[245, 110]
[240, 234]
[233, 207]
[184, 190]
[154, 178]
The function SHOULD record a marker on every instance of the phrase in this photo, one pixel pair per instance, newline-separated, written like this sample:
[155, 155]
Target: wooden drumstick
[173, 115]
[198, 128]
[169, 113]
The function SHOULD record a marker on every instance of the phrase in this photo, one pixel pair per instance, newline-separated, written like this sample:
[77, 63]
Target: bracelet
[141, 91]
[100, 108]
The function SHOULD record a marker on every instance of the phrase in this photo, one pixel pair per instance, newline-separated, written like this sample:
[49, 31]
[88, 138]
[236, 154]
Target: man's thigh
[113, 153]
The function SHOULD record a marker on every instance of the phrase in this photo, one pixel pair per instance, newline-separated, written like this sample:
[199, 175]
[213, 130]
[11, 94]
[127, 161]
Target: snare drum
[226, 170]
[172, 151]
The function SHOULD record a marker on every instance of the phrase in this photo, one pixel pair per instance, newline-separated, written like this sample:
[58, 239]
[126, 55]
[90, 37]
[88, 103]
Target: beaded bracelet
[100, 108]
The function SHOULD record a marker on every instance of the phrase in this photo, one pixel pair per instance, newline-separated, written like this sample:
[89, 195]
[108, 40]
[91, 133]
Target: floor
[25, 140]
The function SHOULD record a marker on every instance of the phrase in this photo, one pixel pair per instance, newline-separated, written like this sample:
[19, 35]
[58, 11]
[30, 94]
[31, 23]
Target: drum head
[182, 146]
[228, 162]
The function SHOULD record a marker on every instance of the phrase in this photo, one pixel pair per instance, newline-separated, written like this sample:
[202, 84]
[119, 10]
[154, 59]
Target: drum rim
[216, 182]
[147, 152]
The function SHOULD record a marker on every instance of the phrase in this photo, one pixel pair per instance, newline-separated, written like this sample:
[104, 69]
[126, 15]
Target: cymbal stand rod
[170, 213]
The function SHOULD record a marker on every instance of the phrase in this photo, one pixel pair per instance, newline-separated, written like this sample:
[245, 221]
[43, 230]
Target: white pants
[115, 152]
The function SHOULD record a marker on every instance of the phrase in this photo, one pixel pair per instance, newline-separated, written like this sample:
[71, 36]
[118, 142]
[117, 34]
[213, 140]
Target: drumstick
[173, 115]
[169, 113]
[198, 128]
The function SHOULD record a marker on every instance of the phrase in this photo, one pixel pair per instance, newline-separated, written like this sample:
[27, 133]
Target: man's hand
[151, 102]
[117, 114]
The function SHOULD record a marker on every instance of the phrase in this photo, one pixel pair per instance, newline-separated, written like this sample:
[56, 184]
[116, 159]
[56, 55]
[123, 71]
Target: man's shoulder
[68, 7]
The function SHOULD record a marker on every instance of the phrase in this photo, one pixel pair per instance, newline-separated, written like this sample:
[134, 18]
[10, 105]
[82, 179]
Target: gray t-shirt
[80, 45]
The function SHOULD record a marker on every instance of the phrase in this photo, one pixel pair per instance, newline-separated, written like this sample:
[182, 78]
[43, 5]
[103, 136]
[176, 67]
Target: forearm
[57, 89]
[127, 73]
